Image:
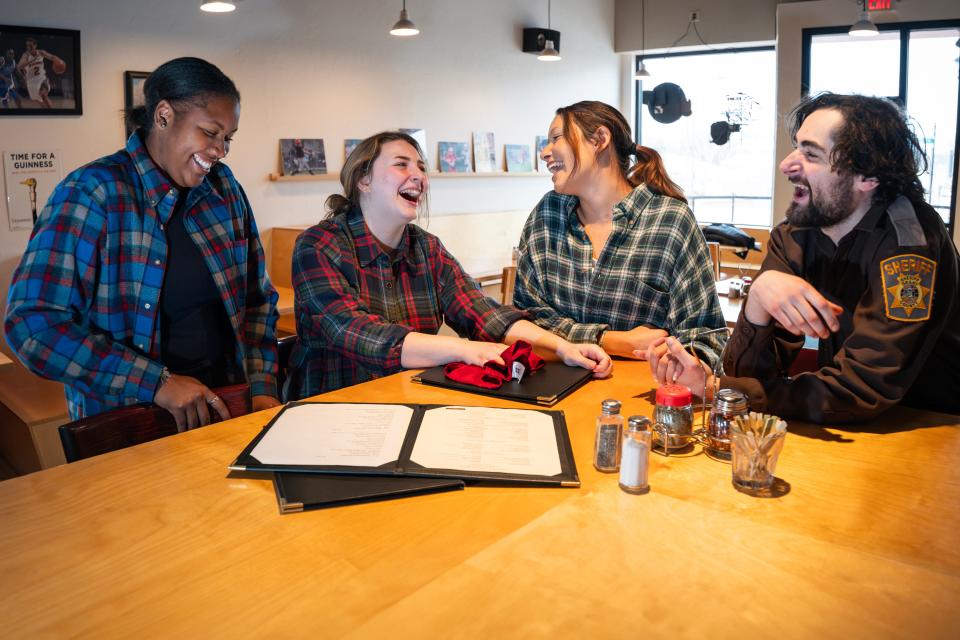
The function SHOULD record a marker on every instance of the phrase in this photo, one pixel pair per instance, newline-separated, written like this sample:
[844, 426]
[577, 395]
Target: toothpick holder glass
[755, 461]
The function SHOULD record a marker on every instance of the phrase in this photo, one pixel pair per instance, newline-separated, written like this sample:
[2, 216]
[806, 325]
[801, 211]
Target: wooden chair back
[506, 284]
[714, 248]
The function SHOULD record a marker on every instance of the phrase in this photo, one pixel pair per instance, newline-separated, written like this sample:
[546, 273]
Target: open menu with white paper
[528, 446]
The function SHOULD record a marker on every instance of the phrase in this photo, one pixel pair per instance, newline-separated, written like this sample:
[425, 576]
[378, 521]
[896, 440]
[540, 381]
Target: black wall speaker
[535, 38]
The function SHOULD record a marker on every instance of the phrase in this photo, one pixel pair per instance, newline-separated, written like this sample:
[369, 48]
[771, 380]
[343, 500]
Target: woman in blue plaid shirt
[613, 255]
[144, 277]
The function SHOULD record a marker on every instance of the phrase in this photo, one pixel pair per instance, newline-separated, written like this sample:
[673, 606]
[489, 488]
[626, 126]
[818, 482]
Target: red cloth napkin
[492, 375]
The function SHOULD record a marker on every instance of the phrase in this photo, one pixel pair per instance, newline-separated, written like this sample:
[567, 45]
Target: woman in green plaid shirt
[613, 255]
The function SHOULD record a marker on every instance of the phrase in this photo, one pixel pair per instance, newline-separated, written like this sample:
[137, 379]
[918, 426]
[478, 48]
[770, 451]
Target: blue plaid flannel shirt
[83, 305]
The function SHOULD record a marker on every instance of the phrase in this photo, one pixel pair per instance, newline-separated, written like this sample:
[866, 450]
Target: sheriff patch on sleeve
[908, 287]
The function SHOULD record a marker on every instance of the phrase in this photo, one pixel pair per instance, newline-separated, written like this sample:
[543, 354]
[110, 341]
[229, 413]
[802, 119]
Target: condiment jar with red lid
[673, 417]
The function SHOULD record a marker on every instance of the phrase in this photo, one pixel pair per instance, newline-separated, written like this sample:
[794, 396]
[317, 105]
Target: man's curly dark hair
[874, 141]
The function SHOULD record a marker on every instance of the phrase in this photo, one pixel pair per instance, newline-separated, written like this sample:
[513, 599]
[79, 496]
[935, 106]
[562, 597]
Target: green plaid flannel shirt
[655, 270]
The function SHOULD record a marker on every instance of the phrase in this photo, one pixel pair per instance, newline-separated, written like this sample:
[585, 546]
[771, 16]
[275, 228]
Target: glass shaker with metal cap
[673, 416]
[635, 458]
[727, 405]
[606, 444]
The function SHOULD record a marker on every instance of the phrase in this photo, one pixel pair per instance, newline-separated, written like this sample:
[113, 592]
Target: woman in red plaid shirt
[372, 290]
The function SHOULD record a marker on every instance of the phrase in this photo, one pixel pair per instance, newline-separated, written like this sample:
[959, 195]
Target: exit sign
[879, 5]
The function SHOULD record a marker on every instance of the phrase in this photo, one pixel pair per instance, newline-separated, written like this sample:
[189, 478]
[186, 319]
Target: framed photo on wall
[302, 156]
[133, 92]
[39, 72]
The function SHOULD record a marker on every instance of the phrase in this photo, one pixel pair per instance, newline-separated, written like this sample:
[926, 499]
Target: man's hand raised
[794, 303]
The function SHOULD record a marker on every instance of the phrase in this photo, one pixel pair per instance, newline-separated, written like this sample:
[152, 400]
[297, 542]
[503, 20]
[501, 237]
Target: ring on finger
[212, 401]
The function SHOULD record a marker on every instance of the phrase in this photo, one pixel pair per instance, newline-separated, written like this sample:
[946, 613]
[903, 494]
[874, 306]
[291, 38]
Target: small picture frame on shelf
[133, 92]
[484, 152]
[518, 158]
[454, 157]
[302, 156]
[541, 144]
[349, 144]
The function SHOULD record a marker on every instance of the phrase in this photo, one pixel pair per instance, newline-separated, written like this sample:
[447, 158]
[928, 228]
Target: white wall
[791, 20]
[328, 69]
[722, 22]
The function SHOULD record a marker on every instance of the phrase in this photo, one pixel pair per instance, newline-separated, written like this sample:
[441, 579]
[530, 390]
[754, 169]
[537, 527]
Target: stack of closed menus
[328, 454]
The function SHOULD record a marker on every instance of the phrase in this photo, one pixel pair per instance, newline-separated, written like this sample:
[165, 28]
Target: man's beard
[836, 207]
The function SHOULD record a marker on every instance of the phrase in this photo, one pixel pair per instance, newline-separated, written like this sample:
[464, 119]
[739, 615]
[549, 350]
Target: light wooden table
[159, 541]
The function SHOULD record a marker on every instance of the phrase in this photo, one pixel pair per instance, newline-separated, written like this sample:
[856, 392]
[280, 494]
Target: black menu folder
[545, 387]
[306, 491]
[479, 444]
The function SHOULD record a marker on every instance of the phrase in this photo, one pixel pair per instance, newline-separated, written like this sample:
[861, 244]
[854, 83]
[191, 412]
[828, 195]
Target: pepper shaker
[606, 444]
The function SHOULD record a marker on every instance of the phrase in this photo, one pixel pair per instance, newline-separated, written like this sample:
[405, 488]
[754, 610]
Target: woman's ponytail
[337, 204]
[649, 170]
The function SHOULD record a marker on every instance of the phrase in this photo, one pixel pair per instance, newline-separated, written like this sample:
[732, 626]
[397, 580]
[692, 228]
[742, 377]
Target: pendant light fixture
[549, 53]
[217, 6]
[864, 27]
[642, 68]
[404, 26]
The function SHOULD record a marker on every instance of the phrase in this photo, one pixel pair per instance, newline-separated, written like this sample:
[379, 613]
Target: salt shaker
[674, 414]
[606, 445]
[635, 460]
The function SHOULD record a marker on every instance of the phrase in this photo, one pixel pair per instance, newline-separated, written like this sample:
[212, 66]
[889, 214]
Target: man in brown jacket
[862, 263]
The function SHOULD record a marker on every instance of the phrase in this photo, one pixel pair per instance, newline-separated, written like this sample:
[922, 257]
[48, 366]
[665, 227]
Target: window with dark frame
[722, 154]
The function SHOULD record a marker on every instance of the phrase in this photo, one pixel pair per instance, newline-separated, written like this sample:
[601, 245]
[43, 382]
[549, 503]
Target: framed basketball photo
[39, 72]
[133, 92]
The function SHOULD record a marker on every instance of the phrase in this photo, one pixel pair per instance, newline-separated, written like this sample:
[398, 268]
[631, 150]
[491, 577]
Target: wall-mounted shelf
[304, 178]
[433, 174]
[489, 174]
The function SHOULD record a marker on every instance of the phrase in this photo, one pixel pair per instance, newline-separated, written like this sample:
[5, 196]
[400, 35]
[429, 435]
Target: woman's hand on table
[424, 350]
[480, 353]
[190, 402]
[588, 356]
